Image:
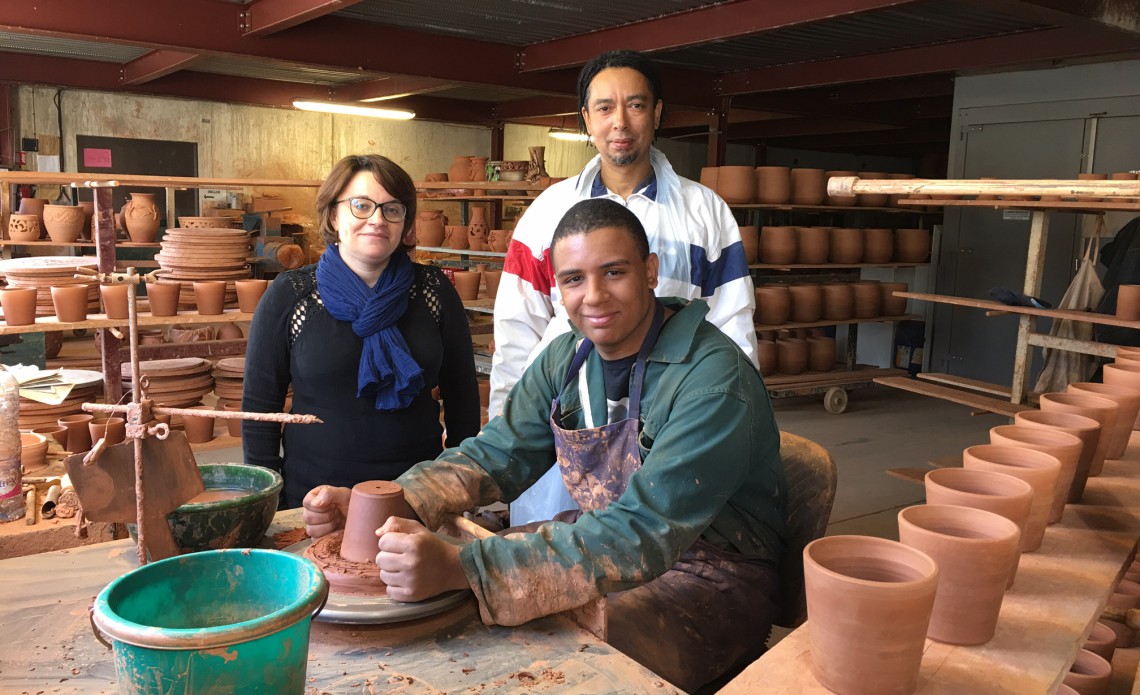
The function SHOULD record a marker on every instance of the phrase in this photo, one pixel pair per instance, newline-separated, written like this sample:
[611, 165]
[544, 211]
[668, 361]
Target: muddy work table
[48, 647]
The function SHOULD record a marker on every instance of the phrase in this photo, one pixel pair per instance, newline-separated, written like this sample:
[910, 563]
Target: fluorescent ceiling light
[567, 134]
[353, 110]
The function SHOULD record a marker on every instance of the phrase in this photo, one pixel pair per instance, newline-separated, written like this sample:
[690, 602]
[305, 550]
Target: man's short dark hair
[616, 59]
[601, 213]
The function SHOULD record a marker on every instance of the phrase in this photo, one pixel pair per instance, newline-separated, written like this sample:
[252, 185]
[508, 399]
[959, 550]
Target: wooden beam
[157, 64]
[536, 107]
[394, 87]
[265, 17]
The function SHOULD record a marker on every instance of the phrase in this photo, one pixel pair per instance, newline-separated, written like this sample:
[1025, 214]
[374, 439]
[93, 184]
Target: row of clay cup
[78, 432]
[467, 282]
[771, 185]
[946, 577]
[809, 302]
[835, 245]
[794, 356]
[200, 428]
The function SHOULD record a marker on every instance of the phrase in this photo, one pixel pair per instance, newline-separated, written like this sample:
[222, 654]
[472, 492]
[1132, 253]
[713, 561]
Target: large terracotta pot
[1123, 374]
[233, 425]
[70, 302]
[812, 245]
[807, 302]
[1080, 426]
[750, 238]
[791, 355]
[370, 505]
[63, 222]
[163, 297]
[1034, 467]
[868, 299]
[821, 354]
[878, 245]
[869, 602]
[846, 246]
[737, 184]
[892, 305]
[140, 215]
[773, 304]
[778, 245]
[872, 200]
[842, 201]
[838, 301]
[912, 245]
[477, 232]
[19, 304]
[430, 227]
[974, 550]
[766, 355]
[809, 186]
[1099, 408]
[1090, 674]
[1128, 401]
[1064, 446]
[773, 185]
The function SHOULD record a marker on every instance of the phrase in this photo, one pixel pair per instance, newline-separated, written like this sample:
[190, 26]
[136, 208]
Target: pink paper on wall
[93, 157]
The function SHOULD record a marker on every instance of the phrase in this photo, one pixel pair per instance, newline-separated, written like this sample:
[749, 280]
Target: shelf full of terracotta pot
[1085, 316]
[830, 266]
[830, 208]
[51, 323]
[1086, 206]
[462, 252]
[83, 244]
[834, 322]
[515, 190]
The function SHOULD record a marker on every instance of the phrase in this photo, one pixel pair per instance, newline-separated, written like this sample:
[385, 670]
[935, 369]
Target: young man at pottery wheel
[663, 432]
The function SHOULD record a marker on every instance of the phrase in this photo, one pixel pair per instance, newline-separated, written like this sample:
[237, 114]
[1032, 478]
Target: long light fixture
[567, 134]
[353, 110]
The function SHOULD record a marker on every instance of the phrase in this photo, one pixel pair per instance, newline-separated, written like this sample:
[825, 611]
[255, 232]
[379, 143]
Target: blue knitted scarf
[387, 369]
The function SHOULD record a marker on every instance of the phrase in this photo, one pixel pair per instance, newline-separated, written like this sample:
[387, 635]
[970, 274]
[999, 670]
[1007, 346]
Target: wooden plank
[85, 244]
[1089, 207]
[67, 178]
[946, 393]
[1064, 188]
[861, 372]
[965, 383]
[51, 323]
[1085, 316]
[821, 324]
[462, 252]
[911, 475]
[480, 185]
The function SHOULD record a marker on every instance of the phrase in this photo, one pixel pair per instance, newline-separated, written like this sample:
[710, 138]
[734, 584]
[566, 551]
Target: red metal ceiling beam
[1010, 49]
[692, 27]
[157, 64]
[536, 107]
[265, 17]
[1110, 16]
[393, 87]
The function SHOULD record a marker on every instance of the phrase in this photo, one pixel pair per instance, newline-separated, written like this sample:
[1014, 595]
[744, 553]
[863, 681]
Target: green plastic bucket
[218, 621]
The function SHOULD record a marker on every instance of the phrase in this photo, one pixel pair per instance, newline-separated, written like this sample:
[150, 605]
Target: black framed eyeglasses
[362, 208]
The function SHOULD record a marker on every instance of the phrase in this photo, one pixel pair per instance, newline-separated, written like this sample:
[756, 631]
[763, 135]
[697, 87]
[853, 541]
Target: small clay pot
[809, 186]
[1101, 641]
[114, 429]
[33, 451]
[499, 239]
[1125, 595]
[1122, 373]
[838, 301]
[455, 237]
[1037, 468]
[23, 227]
[33, 206]
[709, 177]
[750, 238]
[807, 302]
[974, 550]
[868, 299]
[766, 356]
[430, 227]
[141, 217]
[878, 245]
[233, 425]
[1128, 405]
[467, 283]
[1082, 427]
[163, 297]
[56, 432]
[791, 355]
[821, 354]
[1090, 674]
[778, 245]
[812, 245]
[491, 280]
[116, 299]
[70, 302]
[199, 428]
[737, 184]
[371, 504]
[1064, 446]
[841, 201]
[19, 304]
[892, 305]
[63, 222]
[249, 293]
[773, 185]
[872, 200]
[78, 434]
[210, 297]
[1099, 408]
[1128, 302]
[846, 246]
[460, 168]
[230, 331]
[912, 245]
[773, 305]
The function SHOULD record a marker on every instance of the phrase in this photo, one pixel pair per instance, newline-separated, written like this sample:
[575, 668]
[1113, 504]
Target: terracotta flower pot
[19, 304]
[116, 300]
[1125, 636]
[974, 550]
[199, 428]
[460, 169]
[163, 297]
[821, 354]
[736, 184]
[78, 434]
[868, 299]
[233, 426]
[491, 282]
[807, 302]
[1034, 467]
[766, 356]
[878, 245]
[33, 206]
[63, 223]
[892, 305]
[23, 227]
[1064, 446]
[140, 215]
[778, 245]
[114, 429]
[773, 304]
[812, 245]
[1128, 302]
[33, 451]
[750, 239]
[499, 239]
[1084, 428]
[1090, 674]
[809, 186]
[1123, 374]
[467, 283]
[1101, 641]
[773, 185]
[838, 301]
[70, 302]
[210, 297]
[791, 355]
[709, 176]
[1128, 401]
[371, 504]
[842, 201]
[1099, 408]
[846, 246]
[872, 200]
[891, 588]
[430, 227]
[478, 170]
[249, 293]
[1125, 595]
[455, 237]
[56, 432]
[912, 245]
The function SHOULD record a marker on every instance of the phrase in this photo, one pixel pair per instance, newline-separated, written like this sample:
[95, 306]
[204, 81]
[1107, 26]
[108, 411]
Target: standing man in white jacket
[690, 228]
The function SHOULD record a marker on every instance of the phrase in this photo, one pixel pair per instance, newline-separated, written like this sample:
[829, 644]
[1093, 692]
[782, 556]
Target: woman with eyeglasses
[363, 336]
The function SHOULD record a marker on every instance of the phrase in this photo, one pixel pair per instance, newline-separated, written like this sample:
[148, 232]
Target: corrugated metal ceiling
[488, 93]
[514, 22]
[69, 48]
[283, 71]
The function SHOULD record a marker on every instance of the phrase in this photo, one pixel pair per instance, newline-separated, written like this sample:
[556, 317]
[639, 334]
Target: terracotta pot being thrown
[163, 297]
[773, 304]
[63, 222]
[809, 186]
[1101, 409]
[846, 246]
[371, 504]
[210, 297]
[19, 304]
[1082, 427]
[891, 588]
[140, 215]
[249, 293]
[1037, 468]
[1128, 404]
[1064, 446]
[750, 239]
[778, 245]
[975, 550]
[736, 184]
[774, 185]
[70, 302]
[116, 300]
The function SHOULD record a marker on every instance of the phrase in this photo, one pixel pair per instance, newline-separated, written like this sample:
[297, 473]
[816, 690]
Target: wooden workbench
[1058, 595]
[47, 644]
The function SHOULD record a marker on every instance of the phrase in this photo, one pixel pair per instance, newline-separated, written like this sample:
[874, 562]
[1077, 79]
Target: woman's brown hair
[388, 174]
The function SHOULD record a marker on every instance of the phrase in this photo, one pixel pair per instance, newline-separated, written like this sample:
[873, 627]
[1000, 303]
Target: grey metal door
[984, 248]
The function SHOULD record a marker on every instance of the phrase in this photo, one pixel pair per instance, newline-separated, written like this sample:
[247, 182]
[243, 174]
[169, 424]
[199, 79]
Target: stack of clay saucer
[42, 272]
[229, 375]
[204, 254]
[208, 223]
[88, 389]
[177, 383]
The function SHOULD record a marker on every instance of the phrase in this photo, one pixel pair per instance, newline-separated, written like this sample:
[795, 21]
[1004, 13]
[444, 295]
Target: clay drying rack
[170, 462]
